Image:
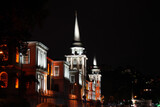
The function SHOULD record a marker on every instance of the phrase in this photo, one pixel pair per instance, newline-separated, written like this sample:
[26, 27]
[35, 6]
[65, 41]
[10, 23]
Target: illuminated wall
[66, 71]
[4, 78]
[42, 79]
[42, 57]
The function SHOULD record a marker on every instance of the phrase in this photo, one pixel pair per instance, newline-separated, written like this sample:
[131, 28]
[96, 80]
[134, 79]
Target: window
[39, 80]
[72, 79]
[56, 71]
[4, 78]
[3, 52]
[17, 55]
[74, 61]
[52, 69]
[48, 69]
[80, 79]
[42, 58]
[17, 83]
[26, 58]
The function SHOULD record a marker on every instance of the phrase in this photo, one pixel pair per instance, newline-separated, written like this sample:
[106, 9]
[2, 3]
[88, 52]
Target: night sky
[114, 30]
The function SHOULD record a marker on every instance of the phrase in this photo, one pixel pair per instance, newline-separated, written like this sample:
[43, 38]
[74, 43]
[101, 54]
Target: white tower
[77, 59]
[95, 78]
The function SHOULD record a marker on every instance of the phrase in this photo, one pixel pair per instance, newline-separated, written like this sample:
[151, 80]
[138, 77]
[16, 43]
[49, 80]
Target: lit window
[39, 80]
[72, 78]
[52, 69]
[75, 64]
[48, 69]
[17, 56]
[17, 83]
[4, 78]
[56, 71]
[3, 52]
[26, 58]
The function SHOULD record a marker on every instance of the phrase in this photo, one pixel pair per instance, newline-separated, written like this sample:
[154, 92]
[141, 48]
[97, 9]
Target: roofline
[40, 44]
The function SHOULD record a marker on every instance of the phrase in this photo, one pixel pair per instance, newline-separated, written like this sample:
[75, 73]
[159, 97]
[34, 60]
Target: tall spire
[94, 61]
[76, 47]
[76, 29]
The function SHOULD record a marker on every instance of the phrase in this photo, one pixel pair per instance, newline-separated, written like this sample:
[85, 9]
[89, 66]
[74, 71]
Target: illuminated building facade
[35, 63]
[64, 79]
[94, 86]
[9, 68]
[77, 63]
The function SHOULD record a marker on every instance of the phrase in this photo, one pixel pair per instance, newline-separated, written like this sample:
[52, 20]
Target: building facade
[35, 64]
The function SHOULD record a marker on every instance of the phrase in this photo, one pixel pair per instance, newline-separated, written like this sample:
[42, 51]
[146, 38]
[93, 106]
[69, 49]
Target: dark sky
[114, 30]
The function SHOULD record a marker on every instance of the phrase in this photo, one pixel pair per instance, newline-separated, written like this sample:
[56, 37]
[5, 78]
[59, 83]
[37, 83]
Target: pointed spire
[76, 29]
[94, 61]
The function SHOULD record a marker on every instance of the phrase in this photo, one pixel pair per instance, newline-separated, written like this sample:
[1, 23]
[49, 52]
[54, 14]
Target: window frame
[71, 78]
[56, 74]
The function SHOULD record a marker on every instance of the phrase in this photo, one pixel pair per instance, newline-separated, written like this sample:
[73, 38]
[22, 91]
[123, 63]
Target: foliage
[18, 17]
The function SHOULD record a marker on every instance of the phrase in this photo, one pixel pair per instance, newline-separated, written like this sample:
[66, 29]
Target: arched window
[4, 78]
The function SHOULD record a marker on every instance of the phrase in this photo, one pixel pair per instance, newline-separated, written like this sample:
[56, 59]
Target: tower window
[56, 71]
[75, 61]
[72, 79]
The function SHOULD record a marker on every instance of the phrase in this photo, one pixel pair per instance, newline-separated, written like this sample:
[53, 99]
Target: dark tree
[18, 17]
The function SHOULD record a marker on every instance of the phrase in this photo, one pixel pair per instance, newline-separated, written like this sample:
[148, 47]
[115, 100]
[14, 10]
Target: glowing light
[72, 96]
[17, 56]
[1, 52]
[135, 96]
[76, 30]
[51, 69]
[48, 69]
[17, 83]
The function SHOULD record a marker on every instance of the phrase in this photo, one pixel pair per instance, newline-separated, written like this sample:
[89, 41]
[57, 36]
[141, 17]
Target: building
[9, 68]
[35, 64]
[77, 63]
[94, 85]
[23, 69]
[61, 77]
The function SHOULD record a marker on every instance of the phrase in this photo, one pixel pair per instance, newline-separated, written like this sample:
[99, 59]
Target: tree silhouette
[18, 17]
